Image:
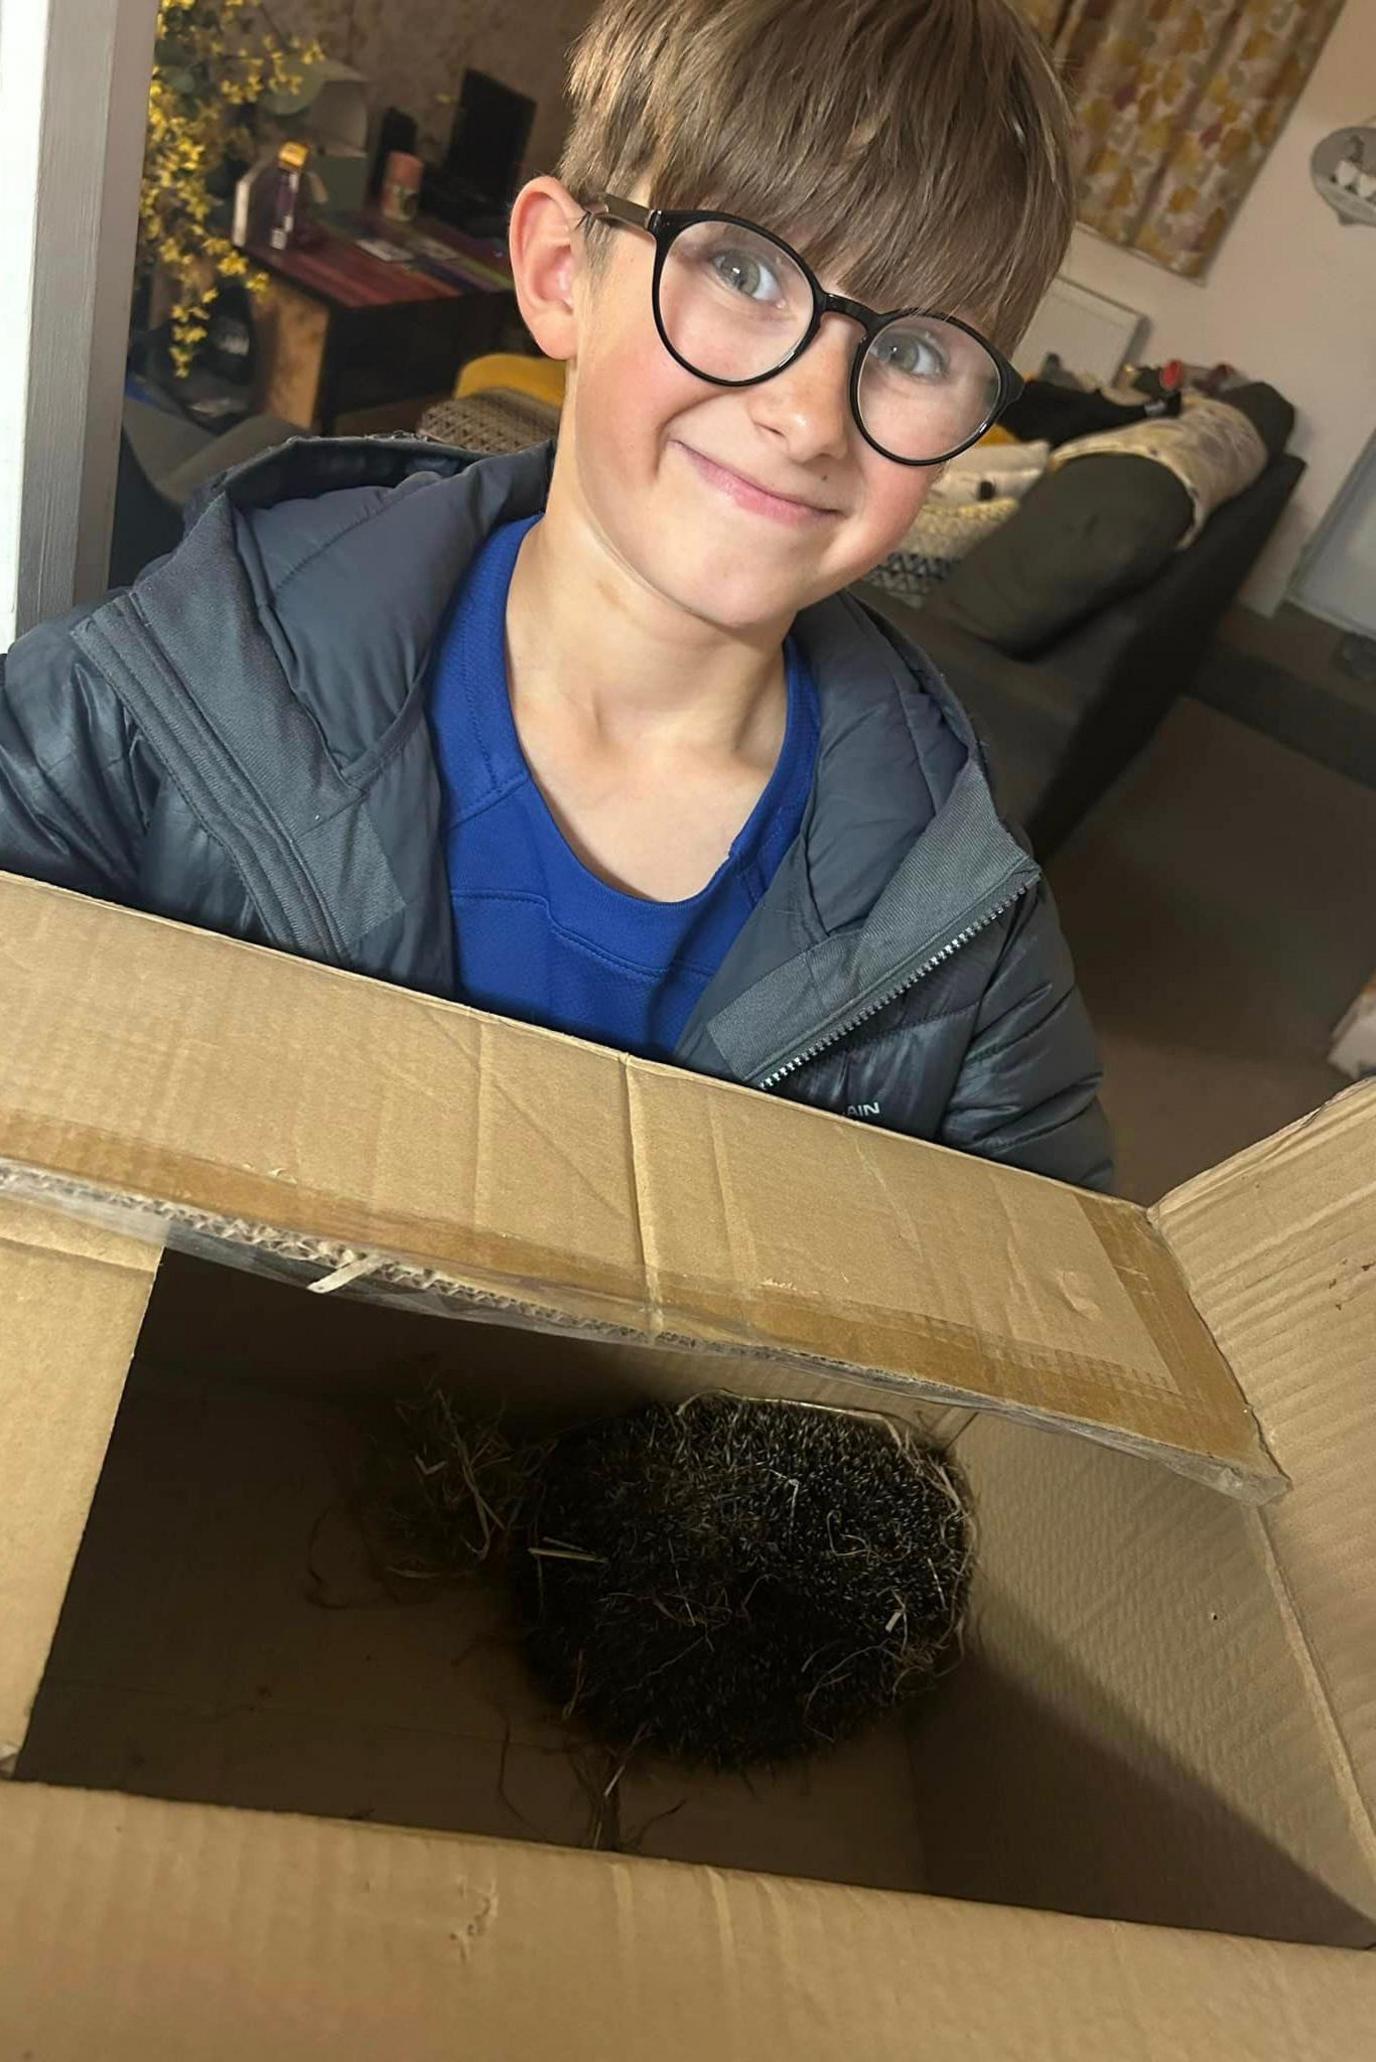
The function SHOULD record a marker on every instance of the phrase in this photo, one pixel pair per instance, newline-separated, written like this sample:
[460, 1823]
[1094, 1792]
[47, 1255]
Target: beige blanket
[1212, 449]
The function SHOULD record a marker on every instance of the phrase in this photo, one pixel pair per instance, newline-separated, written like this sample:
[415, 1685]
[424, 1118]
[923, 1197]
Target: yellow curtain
[1044, 14]
[1178, 102]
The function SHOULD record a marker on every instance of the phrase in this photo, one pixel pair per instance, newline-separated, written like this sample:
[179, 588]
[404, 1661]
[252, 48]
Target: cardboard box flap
[137, 1928]
[1279, 1248]
[206, 1089]
[73, 1297]
[1134, 1713]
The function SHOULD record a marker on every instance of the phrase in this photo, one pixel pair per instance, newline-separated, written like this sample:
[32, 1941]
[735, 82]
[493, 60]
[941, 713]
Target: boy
[593, 737]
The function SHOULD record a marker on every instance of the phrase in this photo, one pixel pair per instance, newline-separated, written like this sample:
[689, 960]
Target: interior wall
[414, 54]
[1289, 297]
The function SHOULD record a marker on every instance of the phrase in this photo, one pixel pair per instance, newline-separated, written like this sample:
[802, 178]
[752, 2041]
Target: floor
[1303, 681]
[1218, 900]
[1303, 644]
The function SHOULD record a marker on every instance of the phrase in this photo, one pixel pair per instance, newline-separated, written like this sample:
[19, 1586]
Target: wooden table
[341, 330]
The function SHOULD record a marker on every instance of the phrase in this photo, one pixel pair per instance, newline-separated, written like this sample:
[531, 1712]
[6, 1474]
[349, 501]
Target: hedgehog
[735, 1584]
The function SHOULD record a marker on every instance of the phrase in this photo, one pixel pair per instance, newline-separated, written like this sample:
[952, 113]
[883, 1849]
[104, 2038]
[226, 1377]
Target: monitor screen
[491, 131]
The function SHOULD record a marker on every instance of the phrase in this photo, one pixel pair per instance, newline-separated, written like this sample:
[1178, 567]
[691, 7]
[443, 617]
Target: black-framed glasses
[734, 304]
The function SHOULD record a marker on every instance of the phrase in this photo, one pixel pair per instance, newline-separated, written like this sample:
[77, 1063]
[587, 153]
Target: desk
[341, 330]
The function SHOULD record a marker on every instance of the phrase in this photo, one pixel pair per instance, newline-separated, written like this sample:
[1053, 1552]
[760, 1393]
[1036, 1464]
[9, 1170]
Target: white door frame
[1305, 588]
[73, 110]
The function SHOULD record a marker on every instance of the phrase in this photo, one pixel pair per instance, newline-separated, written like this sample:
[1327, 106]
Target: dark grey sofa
[1061, 725]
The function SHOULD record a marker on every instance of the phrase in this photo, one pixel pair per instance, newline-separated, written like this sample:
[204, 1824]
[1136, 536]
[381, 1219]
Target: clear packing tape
[328, 1266]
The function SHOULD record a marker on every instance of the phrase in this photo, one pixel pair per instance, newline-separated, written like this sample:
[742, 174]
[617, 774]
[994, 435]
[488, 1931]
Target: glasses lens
[926, 388]
[734, 306]
[732, 302]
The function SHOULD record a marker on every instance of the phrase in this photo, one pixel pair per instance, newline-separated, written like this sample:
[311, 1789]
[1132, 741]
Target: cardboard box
[260, 1808]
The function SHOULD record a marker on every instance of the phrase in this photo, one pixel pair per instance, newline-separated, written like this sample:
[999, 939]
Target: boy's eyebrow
[841, 281]
[838, 280]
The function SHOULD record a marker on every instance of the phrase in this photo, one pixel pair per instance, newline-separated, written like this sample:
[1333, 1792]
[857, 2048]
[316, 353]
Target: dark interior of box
[228, 1638]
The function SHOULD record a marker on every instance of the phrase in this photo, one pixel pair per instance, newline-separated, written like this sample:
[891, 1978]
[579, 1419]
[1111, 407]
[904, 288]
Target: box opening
[226, 1640]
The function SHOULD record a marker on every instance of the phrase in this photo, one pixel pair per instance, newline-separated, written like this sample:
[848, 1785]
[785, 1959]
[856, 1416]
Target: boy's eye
[725, 266]
[745, 273]
[915, 353]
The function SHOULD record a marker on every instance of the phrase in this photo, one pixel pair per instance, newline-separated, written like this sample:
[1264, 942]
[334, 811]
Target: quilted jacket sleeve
[1027, 1092]
[76, 786]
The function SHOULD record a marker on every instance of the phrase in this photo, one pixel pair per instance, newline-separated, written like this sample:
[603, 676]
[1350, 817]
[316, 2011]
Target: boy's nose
[808, 403]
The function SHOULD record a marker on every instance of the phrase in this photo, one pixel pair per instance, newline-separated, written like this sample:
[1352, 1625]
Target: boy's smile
[800, 511]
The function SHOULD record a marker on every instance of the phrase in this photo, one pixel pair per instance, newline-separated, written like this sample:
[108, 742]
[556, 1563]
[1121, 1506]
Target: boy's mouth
[750, 494]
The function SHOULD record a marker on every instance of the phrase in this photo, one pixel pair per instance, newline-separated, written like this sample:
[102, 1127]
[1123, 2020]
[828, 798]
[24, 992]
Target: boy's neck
[650, 734]
[626, 662]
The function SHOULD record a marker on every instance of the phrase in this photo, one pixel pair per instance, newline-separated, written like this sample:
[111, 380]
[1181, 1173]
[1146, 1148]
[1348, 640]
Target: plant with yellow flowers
[214, 60]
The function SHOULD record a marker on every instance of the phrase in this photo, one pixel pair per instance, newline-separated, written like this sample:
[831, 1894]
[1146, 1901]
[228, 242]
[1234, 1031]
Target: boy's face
[657, 457]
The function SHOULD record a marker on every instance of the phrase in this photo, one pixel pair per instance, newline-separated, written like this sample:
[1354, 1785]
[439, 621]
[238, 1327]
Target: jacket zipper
[872, 1009]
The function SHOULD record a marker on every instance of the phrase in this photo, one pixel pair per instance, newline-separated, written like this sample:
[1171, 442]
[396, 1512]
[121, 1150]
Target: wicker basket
[494, 420]
[936, 543]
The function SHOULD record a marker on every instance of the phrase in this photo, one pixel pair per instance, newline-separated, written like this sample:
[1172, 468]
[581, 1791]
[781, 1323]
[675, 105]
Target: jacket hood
[306, 467]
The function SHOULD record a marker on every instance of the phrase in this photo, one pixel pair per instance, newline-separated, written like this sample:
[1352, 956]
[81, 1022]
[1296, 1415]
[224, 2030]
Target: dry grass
[445, 1495]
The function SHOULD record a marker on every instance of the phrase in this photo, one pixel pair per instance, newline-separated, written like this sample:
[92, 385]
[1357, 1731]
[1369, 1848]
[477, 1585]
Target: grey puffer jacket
[240, 741]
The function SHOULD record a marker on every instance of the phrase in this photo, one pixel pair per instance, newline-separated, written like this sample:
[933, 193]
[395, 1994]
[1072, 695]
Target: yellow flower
[192, 132]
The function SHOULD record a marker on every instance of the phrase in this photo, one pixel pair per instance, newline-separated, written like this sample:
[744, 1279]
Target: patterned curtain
[1178, 103]
[1044, 15]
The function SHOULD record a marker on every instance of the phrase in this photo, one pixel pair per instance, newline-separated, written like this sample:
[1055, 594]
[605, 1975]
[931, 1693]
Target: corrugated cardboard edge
[72, 1299]
[411, 1283]
[160, 1061]
[1256, 1209]
[1135, 1716]
[1352, 1780]
[136, 1927]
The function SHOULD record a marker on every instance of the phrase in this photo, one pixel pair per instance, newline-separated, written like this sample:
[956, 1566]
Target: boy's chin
[744, 608]
[739, 593]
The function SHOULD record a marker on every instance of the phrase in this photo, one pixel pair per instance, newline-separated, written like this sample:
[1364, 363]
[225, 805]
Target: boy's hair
[916, 151]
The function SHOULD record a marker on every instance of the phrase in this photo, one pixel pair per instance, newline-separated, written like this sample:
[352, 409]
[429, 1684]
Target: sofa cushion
[1083, 536]
[1268, 411]
[1212, 448]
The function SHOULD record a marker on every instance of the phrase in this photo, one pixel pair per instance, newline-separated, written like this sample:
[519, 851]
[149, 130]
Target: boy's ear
[544, 246]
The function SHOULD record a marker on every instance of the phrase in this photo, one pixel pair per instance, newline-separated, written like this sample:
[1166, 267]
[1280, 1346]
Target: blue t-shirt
[538, 935]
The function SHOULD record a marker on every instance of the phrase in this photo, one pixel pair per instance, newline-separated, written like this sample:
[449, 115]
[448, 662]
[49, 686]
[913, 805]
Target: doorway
[1336, 576]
